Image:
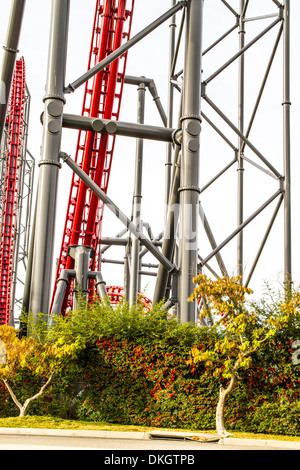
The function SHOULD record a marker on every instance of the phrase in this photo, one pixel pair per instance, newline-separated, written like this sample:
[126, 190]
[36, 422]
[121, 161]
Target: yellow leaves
[195, 356]
[245, 362]
[223, 297]
[27, 353]
[201, 356]
[228, 287]
[245, 346]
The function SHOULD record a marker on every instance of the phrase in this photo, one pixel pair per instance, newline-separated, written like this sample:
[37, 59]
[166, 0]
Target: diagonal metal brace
[118, 213]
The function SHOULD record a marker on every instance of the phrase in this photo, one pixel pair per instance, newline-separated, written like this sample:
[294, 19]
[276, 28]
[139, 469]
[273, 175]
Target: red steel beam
[9, 201]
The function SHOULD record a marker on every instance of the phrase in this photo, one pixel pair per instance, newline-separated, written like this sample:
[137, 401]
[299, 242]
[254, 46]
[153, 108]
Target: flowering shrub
[133, 369]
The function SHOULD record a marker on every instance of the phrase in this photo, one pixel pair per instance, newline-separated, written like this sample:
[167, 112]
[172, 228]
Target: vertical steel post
[240, 184]
[168, 163]
[286, 147]
[81, 255]
[189, 190]
[9, 57]
[49, 164]
[137, 199]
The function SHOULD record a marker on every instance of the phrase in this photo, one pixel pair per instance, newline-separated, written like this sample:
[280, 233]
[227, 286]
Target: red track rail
[15, 130]
[116, 295]
[94, 153]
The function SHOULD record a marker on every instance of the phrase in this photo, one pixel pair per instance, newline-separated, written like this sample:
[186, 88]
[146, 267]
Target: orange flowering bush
[133, 367]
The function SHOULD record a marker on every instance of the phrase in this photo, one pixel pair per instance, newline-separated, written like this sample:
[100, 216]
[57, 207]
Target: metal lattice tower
[16, 191]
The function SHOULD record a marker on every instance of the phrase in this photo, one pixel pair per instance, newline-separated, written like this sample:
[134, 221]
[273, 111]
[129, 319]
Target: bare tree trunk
[221, 404]
[23, 408]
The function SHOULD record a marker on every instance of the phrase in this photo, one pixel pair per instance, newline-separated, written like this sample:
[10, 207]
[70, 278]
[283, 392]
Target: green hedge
[133, 370]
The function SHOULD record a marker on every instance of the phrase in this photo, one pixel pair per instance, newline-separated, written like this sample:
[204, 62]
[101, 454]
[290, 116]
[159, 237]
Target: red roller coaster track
[9, 200]
[94, 153]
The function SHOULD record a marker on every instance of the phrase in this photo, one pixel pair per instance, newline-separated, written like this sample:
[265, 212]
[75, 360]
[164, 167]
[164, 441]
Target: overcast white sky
[150, 58]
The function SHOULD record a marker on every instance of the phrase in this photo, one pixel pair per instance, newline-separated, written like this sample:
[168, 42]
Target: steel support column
[189, 190]
[137, 199]
[287, 147]
[241, 99]
[168, 163]
[82, 255]
[49, 164]
[169, 242]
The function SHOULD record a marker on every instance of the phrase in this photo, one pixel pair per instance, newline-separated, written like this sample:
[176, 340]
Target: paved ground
[112, 442]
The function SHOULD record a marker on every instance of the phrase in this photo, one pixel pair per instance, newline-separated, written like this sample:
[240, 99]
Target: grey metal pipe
[107, 244]
[153, 90]
[189, 190]
[169, 304]
[118, 213]
[264, 241]
[115, 261]
[168, 163]
[229, 7]
[127, 129]
[49, 164]
[142, 131]
[213, 272]
[247, 141]
[171, 223]
[218, 175]
[156, 242]
[113, 241]
[244, 224]
[264, 81]
[177, 47]
[9, 57]
[127, 269]
[240, 162]
[99, 284]
[62, 282]
[212, 241]
[28, 276]
[150, 84]
[147, 273]
[124, 48]
[81, 255]
[287, 148]
[137, 200]
[243, 50]
[169, 237]
[234, 148]
[220, 39]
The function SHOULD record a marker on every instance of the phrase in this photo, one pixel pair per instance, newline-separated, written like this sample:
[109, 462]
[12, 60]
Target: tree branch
[13, 396]
[40, 392]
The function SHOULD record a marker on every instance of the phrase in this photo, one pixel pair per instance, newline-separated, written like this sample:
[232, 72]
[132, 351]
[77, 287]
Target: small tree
[239, 334]
[27, 354]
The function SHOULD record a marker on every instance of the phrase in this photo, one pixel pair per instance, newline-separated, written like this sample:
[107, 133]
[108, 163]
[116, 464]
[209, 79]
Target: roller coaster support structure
[189, 189]
[287, 149]
[49, 164]
[179, 260]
